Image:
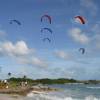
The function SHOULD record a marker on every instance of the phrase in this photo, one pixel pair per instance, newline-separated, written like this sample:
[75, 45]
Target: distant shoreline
[17, 85]
[51, 81]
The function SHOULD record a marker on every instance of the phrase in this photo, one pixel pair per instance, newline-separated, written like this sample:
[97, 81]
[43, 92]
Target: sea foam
[50, 97]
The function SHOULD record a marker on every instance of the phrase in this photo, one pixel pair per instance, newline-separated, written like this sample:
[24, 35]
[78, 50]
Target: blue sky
[23, 51]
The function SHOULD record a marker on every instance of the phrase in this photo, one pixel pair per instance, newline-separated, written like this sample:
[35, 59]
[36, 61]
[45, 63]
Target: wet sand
[10, 97]
[19, 91]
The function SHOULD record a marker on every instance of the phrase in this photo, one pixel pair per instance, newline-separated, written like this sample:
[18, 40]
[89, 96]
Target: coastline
[25, 90]
[23, 86]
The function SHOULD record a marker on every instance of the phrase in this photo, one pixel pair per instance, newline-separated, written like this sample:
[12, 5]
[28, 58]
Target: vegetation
[43, 81]
[54, 81]
[16, 81]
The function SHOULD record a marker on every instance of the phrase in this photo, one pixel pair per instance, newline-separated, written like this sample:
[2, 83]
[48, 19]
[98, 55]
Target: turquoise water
[67, 92]
[71, 92]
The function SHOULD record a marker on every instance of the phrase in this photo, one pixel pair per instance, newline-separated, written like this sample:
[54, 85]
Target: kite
[81, 19]
[46, 16]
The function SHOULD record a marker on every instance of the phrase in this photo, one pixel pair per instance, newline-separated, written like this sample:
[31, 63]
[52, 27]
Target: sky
[23, 51]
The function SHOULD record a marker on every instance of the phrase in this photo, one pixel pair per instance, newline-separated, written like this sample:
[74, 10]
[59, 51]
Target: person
[6, 84]
[26, 83]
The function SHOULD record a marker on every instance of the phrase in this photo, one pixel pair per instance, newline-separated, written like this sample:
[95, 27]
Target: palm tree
[9, 74]
[24, 76]
[25, 80]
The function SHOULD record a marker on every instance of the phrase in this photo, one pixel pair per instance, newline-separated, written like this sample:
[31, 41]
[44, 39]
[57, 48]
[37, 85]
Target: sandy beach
[10, 97]
[23, 91]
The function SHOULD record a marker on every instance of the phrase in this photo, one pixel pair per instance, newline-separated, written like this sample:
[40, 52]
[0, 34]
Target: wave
[73, 83]
[91, 98]
[50, 97]
[30, 94]
[93, 87]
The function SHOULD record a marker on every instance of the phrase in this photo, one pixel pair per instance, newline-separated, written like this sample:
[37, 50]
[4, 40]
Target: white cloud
[78, 36]
[33, 61]
[90, 6]
[62, 54]
[21, 53]
[38, 62]
[18, 49]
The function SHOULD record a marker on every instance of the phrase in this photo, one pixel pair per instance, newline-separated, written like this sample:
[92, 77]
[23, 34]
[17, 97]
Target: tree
[24, 76]
[9, 74]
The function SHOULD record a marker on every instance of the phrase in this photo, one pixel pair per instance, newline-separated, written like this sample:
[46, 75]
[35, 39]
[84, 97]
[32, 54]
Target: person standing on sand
[6, 84]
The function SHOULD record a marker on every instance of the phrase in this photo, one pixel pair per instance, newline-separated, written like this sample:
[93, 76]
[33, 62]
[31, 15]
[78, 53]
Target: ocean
[66, 92]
